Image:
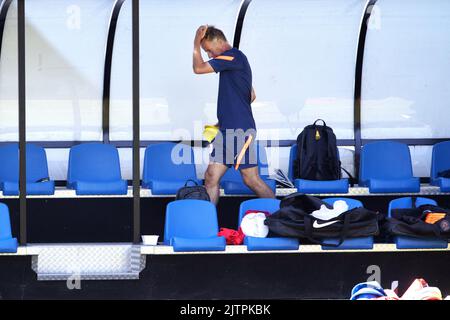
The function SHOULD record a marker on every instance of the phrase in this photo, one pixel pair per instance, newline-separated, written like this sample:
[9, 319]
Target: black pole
[22, 124]
[136, 124]
[358, 84]
[240, 23]
[107, 69]
[3, 13]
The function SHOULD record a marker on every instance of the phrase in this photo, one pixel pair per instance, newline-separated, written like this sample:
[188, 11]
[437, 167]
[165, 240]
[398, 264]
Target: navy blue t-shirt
[235, 89]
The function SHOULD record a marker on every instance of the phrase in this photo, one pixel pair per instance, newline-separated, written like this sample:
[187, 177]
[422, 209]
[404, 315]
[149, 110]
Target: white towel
[325, 214]
[252, 225]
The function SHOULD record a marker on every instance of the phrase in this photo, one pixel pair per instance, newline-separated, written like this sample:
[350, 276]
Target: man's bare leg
[255, 183]
[213, 175]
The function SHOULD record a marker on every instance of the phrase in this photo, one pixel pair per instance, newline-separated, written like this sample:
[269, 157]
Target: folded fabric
[231, 236]
[326, 214]
[210, 132]
[390, 295]
[367, 294]
[434, 217]
[252, 224]
[367, 290]
[418, 290]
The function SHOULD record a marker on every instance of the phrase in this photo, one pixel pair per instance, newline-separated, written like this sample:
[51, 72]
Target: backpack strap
[324, 124]
[187, 182]
[352, 180]
[301, 146]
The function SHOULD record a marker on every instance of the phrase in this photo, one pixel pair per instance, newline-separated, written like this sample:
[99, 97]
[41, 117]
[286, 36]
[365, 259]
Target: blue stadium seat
[164, 176]
[386, 167]
[352, 243]
[8, 244]
[404, 242]
[311, 186]
[440, 161]
[232, 182]
[94, 169]
[38, 182]
[191, 225]
[269, 243]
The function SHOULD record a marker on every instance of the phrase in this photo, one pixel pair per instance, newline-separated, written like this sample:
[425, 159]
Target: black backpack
[317, 154]
[192, 192]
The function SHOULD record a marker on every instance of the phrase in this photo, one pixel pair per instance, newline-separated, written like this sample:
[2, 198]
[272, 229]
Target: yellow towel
[210, 132]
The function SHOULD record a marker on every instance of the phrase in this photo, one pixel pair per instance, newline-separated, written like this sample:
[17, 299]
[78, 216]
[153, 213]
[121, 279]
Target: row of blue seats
[94, 168]
[191, 225]
[385, 167]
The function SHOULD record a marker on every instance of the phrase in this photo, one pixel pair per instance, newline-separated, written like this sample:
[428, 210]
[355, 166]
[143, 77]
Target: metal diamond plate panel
[362, 191]
[61, 193]
[88, 262]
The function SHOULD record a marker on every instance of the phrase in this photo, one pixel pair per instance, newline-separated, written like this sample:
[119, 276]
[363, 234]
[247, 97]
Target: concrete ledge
[389, 247]
[64, 193]
[35, 249]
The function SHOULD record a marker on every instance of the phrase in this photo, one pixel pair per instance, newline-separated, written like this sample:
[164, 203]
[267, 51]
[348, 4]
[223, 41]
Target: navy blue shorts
[235, 148]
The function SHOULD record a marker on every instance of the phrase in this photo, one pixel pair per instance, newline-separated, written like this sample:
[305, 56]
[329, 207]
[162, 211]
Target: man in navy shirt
[235, 143]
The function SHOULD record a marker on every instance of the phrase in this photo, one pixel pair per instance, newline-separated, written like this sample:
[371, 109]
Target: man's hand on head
[198, 64]
[200, 34]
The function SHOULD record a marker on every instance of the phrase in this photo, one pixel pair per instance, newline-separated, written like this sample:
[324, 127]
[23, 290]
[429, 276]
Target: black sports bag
[412, 223]
[294, 219]
[192, 192]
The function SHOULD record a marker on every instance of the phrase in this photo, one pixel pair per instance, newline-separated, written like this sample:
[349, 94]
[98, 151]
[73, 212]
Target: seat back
[37, 167]
[386, 160]
[36, 162]
[407, 202]
[352, 203]
[263, 204]
[263, 166]
[440, 159]
[9, 159]
[169, 161]
[190, 219]
[93, 162]
[5, 223]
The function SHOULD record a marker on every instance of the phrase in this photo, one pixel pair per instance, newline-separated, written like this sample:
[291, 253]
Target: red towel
[232, 236]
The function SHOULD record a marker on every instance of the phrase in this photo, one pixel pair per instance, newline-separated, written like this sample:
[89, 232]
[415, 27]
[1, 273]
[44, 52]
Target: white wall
[65, 54]
[175, 103]
[302, 54]
[9, 78]
[303, 57]
[405, 82]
